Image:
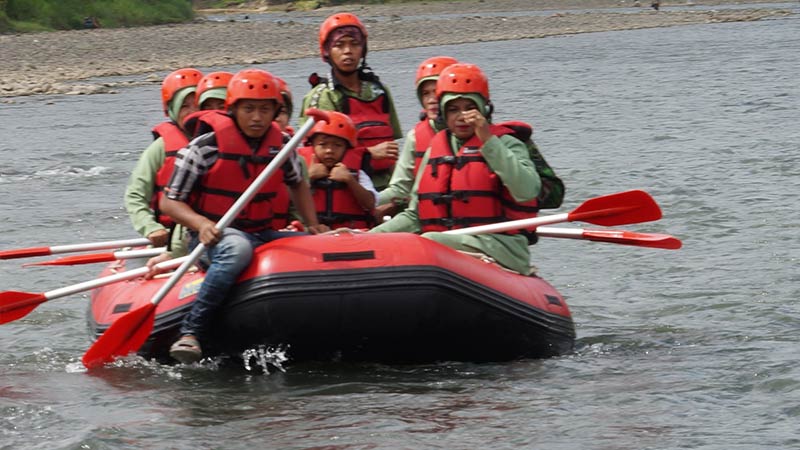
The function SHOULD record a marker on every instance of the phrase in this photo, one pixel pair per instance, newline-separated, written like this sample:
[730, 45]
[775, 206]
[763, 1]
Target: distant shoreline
[62, 62]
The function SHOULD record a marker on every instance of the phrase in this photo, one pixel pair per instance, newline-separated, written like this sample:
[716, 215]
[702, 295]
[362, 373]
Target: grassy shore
[46, 15]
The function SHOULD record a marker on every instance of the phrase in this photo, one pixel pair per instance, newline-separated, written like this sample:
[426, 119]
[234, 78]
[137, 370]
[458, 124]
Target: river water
[695, 348]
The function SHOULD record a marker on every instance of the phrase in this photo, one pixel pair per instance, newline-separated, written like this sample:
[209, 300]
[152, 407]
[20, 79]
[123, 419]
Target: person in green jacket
[353, 89]
[154, 167]
[474, 173]
[394, 198]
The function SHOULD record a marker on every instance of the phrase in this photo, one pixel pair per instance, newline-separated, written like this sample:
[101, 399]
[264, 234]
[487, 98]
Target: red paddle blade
[75, 260]
[617, 209]
[24, 252]
[126, 335]
[15, 304]
[652, 240]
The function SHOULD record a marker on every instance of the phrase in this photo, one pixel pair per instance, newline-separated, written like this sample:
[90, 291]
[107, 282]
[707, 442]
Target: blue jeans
[226, 261]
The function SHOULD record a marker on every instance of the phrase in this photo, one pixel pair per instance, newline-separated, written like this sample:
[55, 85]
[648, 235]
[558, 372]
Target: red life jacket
[374, 124]
[192, 121]
[235, 169]
[423, 134]
[174, 140]
[336, 205]
[461, 190]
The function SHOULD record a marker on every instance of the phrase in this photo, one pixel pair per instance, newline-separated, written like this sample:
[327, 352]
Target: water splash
[264, 357]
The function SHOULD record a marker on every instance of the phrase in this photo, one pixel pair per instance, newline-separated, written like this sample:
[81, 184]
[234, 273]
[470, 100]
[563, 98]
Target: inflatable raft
[389, 298]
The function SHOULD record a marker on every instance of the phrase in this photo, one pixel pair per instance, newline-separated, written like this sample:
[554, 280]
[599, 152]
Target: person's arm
[365, 198]
[508, 158]
[408, 219]
[403, 176]
[139, 193]
[361, 186]
[191, 163]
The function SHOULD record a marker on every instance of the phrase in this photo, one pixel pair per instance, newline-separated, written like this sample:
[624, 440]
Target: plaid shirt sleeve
[191, 163]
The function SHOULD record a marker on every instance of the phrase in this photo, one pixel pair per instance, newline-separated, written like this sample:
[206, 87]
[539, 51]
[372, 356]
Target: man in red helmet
[394, 198]
[154, 167]
[474, 173]
[343, 193]
[353, 89]
[212, 172]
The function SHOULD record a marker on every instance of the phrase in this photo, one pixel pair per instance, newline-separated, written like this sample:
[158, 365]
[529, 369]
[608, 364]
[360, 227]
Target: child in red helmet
[154, 167]
[474, 173]
[353, 89]
[285, 114]
[394, 198]
[216, 167]
[343, 193]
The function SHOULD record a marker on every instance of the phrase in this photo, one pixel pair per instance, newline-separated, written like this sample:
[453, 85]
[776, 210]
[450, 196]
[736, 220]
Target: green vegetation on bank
[42, 15]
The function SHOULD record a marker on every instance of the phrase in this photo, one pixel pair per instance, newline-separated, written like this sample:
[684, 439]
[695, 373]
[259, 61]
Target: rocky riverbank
[68, 62]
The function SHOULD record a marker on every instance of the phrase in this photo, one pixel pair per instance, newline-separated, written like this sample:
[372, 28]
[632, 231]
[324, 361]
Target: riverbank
[66, 62]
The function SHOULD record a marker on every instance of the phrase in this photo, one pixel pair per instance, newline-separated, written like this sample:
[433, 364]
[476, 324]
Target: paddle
[623, 237]
[621, 208]
[44, 251]
[16, 304]
[99, 257]
[129, 332]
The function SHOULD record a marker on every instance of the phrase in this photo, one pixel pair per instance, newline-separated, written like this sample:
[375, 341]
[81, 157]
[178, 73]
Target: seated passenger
[474, 173]
[344, 195]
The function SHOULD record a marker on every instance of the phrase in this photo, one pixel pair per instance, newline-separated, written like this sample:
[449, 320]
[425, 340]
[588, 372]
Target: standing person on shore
[154, 167]
[394, 198]
[211, 173]
[352, 88]
[474, 173]
[343, 193]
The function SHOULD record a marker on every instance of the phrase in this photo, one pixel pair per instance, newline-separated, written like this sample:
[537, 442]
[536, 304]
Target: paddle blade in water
[617, 209]
[126, 335]
[652, 240]
[15, 304]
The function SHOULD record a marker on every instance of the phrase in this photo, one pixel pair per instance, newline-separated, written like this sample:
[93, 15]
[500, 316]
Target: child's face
[453, 112]
[187, 107]
[282, 119]
[328, 149]
[427, 95]
[254, 117]
[213, 103]
[346, 53]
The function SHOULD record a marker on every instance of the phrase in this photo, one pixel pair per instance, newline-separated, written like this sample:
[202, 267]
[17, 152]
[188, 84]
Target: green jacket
[140, 191]
[402, 181]
[508, 158]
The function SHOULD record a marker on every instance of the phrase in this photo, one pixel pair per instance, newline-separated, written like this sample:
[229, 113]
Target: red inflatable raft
[392, 298]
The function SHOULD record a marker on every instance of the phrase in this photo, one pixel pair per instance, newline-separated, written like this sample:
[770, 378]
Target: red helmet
[463, 79]
[254, 84]
[432, 67]
[176, 81]
[338, 21]
[213, 80]
[286, 93]
[339, 125]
